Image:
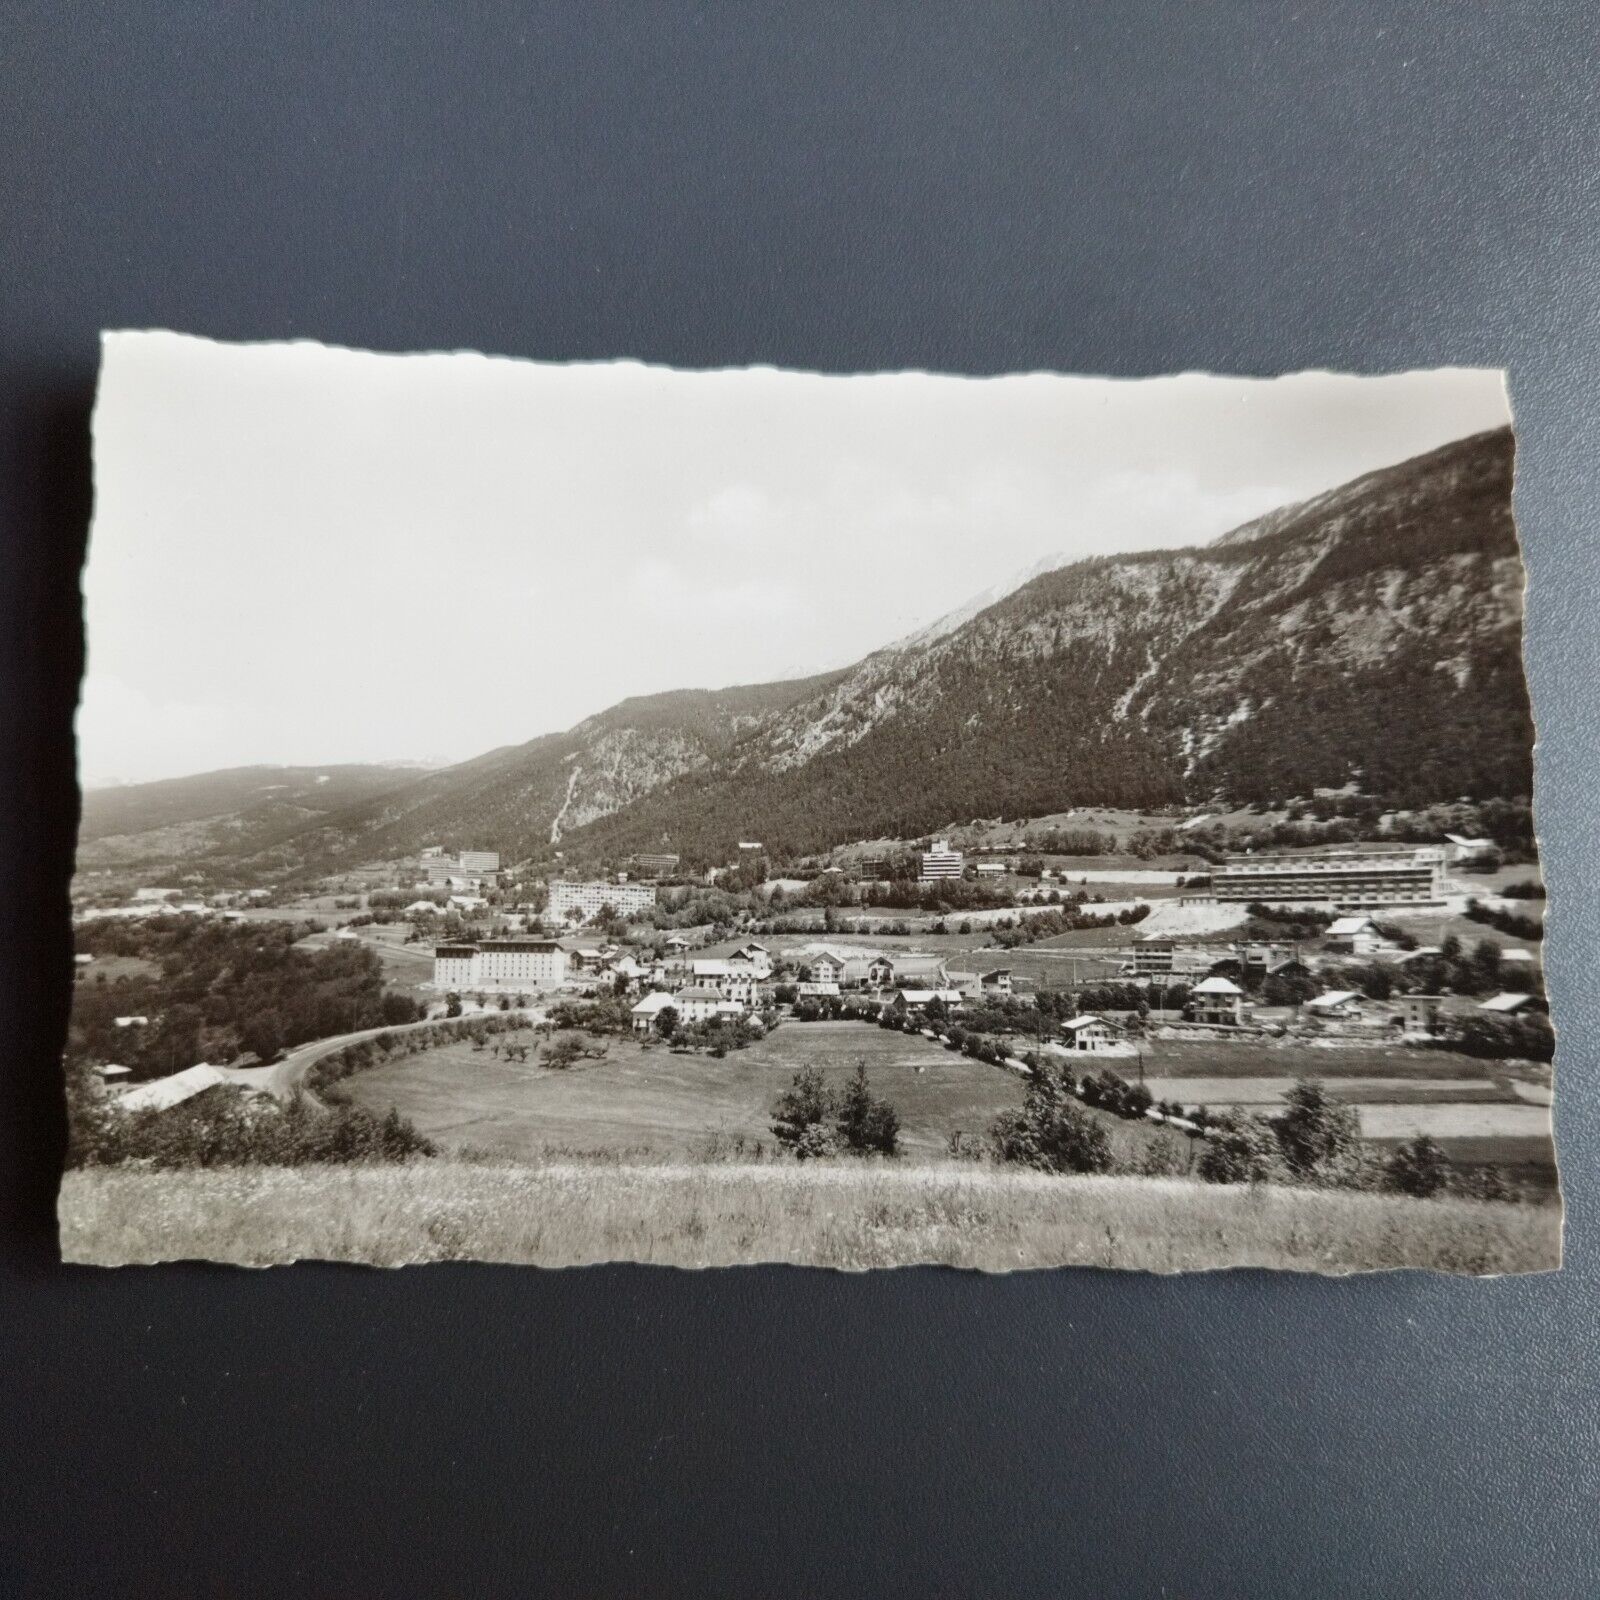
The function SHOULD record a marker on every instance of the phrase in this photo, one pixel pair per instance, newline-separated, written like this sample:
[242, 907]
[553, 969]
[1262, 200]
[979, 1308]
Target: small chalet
[997, 983]
[1089, 1034]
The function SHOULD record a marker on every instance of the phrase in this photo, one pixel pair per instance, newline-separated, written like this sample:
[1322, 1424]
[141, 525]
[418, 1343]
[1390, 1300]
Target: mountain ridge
[1371, 633]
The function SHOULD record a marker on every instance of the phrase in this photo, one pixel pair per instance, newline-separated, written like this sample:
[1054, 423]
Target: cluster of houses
[730, 986]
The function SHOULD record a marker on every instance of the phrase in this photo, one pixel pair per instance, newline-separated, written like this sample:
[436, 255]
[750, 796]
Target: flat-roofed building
[588, 899]
[659, 865]
[1421, 1013]
[500, 964]
[940, 861]
[1354, 876]
[1162, 958]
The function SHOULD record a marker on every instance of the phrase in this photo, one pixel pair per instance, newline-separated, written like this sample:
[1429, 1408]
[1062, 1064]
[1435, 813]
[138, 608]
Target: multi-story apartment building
[1355, 876]
[589, 898]
[500, 964]
[940, 861]
[479, 860]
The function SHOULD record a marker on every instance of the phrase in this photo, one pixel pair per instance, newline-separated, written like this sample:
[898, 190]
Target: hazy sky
[306, 555]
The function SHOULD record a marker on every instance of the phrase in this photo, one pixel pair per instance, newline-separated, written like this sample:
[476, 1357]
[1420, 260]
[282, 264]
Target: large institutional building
[1357, 876]
[468, 864]
[500, 964]
[588, 898]
[940, 861]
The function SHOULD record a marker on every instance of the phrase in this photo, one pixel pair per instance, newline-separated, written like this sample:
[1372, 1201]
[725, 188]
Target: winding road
[284, 1077]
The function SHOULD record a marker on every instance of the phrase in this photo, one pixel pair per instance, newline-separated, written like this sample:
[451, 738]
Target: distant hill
[1372, 634]
[237, 811]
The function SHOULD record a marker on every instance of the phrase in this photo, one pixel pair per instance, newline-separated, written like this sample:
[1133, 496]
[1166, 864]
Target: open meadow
[852, 1214]
[645, 1100]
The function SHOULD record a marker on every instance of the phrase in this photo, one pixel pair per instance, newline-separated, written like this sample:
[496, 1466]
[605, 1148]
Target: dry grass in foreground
[847, 1215]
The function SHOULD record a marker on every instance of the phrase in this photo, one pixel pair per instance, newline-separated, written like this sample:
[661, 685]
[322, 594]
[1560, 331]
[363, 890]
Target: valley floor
[844, 1214]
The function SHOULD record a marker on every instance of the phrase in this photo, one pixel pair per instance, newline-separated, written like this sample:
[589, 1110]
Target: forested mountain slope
[1373, 634]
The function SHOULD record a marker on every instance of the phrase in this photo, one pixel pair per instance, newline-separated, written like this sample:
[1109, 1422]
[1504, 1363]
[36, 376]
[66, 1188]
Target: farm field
[1226, 1058]
[644, 1099]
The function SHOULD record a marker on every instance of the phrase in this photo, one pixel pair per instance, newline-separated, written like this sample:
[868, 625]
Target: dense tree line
[223, 989]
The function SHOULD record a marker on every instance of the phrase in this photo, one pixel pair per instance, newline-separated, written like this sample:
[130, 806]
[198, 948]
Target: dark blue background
[1124, 188]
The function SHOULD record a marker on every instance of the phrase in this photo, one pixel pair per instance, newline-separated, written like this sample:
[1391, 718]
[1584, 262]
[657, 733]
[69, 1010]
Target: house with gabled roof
[1216, 1000]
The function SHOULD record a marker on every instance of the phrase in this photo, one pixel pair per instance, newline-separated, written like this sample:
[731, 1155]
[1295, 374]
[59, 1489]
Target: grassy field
[645, 1101]
[107, 969]
[1230, 1058]
[846, 1214]
[644, 1104]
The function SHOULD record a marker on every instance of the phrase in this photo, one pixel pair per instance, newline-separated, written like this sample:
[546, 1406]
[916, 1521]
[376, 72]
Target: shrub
[1051, 1132]
[1241, 1149]
[1419, 1167]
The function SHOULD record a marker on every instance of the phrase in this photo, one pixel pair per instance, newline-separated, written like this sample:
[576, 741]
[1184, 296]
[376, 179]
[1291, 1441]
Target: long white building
[589, 898]
[500, 964]
[1354, 876]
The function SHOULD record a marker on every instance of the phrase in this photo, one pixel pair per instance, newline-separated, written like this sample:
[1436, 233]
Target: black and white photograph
[563, 813]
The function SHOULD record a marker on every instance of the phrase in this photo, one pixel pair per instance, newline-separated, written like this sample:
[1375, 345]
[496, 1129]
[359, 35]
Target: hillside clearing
[848, 1215]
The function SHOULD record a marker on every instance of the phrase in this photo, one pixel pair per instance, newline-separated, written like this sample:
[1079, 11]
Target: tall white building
[940, 861]
[500, 964]
[589, 898]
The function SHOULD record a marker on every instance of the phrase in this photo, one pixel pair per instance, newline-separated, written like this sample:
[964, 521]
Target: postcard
[599, 812]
